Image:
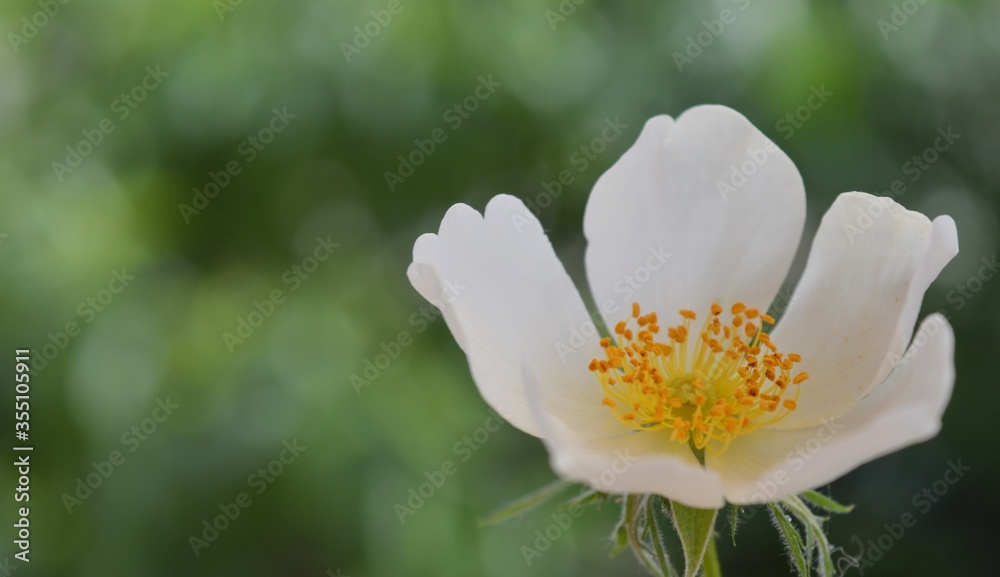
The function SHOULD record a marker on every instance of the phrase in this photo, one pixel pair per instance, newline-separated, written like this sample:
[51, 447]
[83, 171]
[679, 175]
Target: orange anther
[742, 379]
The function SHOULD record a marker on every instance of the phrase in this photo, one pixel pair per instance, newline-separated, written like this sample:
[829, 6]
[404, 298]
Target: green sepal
[587, 498]
[734, 521]
[619, 535]
[526, 503]
[815, 528]
[633, 512]
[711, 566]
[792, 539]
[695, 529]
[821, 501]
[653, 521]
[811, 546]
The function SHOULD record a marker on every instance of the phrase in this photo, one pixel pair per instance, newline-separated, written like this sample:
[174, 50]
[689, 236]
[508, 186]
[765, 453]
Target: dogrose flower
[698, 395]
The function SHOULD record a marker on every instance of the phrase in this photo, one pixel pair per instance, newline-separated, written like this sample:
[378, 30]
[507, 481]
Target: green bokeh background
[332, 509]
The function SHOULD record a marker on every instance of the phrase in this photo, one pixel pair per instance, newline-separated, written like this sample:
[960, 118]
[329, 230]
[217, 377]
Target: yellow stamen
[708, 386]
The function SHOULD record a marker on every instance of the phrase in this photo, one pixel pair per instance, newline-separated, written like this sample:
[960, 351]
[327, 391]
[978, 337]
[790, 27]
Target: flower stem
[634, 505]
[711, 567]
[666, 569]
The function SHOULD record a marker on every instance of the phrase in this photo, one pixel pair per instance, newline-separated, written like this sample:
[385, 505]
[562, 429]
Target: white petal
[629, 462]
[508, 300]
[770, 463]
[854, 309]
[664, 196]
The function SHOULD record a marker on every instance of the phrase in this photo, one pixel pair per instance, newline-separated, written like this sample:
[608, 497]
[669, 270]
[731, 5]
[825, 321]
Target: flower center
[729, 380]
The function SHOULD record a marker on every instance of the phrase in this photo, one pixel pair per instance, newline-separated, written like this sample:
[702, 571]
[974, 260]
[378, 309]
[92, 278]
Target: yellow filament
[707, 387]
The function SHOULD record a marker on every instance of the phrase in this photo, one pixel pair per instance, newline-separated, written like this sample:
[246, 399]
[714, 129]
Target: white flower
[697, 224]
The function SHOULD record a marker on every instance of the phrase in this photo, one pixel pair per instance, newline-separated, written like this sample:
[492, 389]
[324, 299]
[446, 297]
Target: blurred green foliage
[359, 101]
